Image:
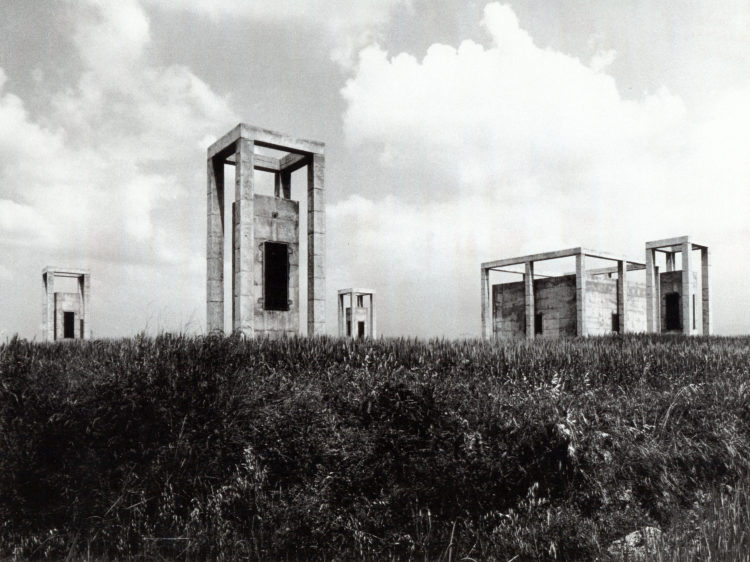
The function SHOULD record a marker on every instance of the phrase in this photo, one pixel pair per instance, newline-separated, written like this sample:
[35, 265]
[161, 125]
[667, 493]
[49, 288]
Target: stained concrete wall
[555, 299]
[671, 282]
[276, 220]
[67, 302]
[361, 314]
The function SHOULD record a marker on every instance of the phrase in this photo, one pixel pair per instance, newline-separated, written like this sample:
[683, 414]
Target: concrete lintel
[225, 142]
[65, 271]
[555, 255]
[292, 162]
[613, 269]
[281, 141]
[668, 242]
[356, 291]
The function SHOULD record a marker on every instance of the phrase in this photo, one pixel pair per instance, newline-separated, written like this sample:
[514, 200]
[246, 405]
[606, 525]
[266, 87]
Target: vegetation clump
[322, 448]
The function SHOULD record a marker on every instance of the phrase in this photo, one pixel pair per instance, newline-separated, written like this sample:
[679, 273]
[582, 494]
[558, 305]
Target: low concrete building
[596, 301]
[265, 234]
[66, 312]
[358, 319]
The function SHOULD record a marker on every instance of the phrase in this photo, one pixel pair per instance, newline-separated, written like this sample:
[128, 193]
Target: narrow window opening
[349, 324]
[80, 323]
[615, 322]
[538, 323]
[360, 301]
[275, 276]
[360, 329]
[69, 324]
[672, 313]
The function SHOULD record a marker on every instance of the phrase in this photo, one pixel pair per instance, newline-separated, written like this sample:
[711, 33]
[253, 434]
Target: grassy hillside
[323, 448]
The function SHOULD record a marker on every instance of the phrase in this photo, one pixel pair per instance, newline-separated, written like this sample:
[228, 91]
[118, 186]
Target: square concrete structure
[358, 319]
[265, 285]
[65, 315]
[672, 304]
[598, 301]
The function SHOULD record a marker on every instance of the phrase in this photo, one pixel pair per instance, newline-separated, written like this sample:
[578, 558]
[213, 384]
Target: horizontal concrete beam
[267, 138]
[65, 272]
[665, 245]
[265, 163]
[555, 255]
[356, 291]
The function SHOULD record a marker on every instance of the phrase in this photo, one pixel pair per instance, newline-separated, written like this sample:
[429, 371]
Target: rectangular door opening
[69, 325]
[275, 276]
[360, 329]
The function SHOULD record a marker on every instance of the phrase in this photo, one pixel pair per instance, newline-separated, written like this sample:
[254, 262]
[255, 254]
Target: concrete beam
[554, 255]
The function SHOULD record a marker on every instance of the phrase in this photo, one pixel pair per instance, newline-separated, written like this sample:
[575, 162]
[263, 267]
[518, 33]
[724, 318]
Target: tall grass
[324, 448]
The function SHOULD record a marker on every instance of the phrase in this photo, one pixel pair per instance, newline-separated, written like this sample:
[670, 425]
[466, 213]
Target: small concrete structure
[65, 315]
[671, 304]
[595, 301]
[265, 239]
[358, 319]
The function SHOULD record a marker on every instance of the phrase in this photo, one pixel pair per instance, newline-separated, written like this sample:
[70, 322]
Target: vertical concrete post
[285, 178]
[528, 296]
[85, 288]
[706, 292]
[316, 232]
[243, 309]
[341, 315]
[670, 261]
[622, 295]
[485, 301]
[581, 294]
[49, 303]
[373, 329]
[352, 316]
[687, 288]
[653, 309]
[215, 248]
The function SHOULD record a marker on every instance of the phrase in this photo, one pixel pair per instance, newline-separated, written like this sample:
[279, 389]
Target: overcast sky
[456, 132]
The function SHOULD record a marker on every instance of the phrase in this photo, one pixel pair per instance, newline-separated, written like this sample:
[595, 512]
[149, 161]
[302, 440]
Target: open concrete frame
[353, 293]
[237, 148]
[670, 247]
[48, 306]
[623, 266]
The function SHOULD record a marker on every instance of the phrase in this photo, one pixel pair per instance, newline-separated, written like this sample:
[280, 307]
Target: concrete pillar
[622, 295]
[342, 316]
[49, 303]
[687, 288]
[373, 329]
[286, 183]
[528, 296]
[581, 294]
[316, 232]
[352, 316]
[215, 248]
[706, 292]
[653, 308]
[670, 261]
[85, 287]
[485, 302]
[243, 255]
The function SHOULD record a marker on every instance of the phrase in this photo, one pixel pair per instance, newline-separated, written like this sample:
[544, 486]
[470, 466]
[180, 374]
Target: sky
[456, 132]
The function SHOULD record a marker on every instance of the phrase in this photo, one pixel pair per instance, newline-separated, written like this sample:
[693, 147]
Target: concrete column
[285, 178]
[528, 297]
[485, 302]
[581, 294]
[373, 330]
[341, 314]
[706, 292]
[243, 255]
[85, 282]
[670, 261]
[49, 304]
[622, 295]
[687, 288]
[352, 316]
[215, 248]
[653, 309]
[316, 253]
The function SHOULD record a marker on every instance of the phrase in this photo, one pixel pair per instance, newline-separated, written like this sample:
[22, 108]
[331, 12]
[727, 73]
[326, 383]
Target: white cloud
[511, 148]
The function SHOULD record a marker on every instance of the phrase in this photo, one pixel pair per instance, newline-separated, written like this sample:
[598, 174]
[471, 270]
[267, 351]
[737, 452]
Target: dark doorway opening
[275, 276]
[69, 325]
[360, 329]
[672, 314]
[615, 322]
[538, 323]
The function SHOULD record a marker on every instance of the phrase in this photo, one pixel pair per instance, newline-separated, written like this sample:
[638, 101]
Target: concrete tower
[66, 313]
[265, 234]
[358, 319]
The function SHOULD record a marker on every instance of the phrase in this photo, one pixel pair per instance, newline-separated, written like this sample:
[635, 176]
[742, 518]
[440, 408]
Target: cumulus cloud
[509, 148]
[349, 24]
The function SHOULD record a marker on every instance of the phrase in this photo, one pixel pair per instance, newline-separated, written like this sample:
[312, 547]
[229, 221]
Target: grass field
[220, 448]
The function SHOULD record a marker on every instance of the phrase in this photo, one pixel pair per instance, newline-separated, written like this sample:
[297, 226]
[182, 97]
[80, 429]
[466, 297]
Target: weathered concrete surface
[276, 220]
[672, 282]
[56, 303]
